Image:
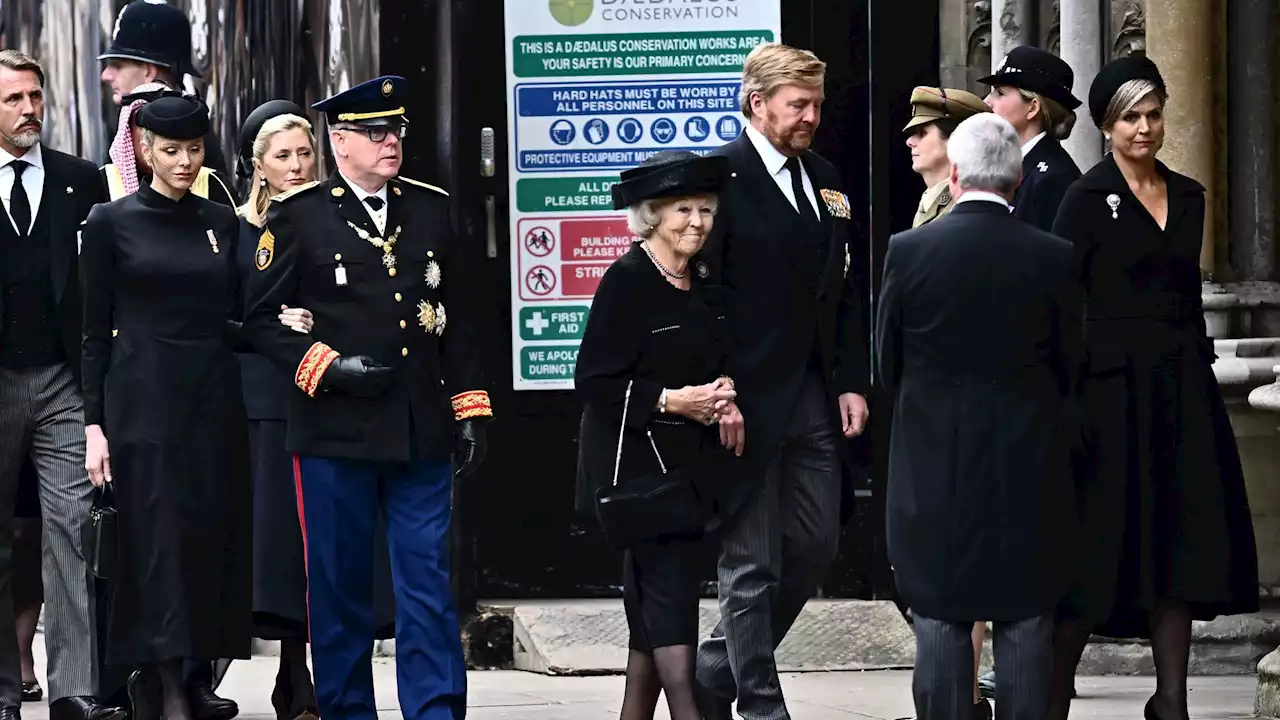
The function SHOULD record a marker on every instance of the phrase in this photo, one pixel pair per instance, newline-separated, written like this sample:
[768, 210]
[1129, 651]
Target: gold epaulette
[472, 403]
[296, 191]
[419, 183]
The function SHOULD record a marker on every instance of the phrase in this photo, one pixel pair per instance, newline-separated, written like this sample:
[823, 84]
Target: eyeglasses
[379, 133]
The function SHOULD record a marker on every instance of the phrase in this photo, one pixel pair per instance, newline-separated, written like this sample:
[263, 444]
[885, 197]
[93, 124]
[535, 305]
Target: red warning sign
[581, 279]
[605, 239]
[540, 280]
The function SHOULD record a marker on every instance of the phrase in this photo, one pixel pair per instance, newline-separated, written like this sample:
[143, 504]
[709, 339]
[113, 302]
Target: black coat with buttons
[317, 252]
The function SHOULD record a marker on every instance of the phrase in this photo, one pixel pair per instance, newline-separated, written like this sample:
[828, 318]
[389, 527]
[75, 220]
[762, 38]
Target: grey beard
[25, 140]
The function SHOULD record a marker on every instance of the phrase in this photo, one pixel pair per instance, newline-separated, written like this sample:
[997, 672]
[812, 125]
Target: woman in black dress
[1167, 533]
[656, 348]
[160, 282]
[277, 154]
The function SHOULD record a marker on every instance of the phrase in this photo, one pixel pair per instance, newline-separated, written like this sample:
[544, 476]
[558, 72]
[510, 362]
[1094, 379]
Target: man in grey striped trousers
[977, 345]
[46, 194]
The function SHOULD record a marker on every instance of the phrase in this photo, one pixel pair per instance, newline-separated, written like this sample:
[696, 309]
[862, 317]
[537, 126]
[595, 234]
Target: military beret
[253, 125]
[671, 173]
[176, 118]
[933, 103]
[1038, 71]
[379, 101]
[1116, 73]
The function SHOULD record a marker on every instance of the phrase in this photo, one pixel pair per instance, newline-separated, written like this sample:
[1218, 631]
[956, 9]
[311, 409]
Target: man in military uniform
[935, 114]
[389, 389]
[151, 43]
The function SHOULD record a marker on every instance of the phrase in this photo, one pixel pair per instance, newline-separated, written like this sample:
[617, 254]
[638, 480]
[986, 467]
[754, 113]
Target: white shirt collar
[360, 192]
[773, 160]
[981, 196]
[33, 157]
[1026, 147]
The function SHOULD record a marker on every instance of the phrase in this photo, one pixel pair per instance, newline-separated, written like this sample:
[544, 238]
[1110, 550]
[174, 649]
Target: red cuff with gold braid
[473, 403]
[312, 367]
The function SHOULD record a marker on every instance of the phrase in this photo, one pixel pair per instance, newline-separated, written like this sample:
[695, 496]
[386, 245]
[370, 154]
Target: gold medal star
[426, 316]
[433, 274]
[441, 319]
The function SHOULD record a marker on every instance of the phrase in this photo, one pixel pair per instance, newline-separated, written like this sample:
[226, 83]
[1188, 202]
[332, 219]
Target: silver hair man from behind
[986, 156]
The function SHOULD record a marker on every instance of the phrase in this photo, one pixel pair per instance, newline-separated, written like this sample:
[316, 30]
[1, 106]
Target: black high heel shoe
[32, 692]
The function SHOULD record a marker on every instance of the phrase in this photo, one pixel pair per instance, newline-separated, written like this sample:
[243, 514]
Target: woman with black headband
[161, 300]
[1167, 536]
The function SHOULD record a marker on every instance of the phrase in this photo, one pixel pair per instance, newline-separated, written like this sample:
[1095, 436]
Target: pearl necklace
[678, 276]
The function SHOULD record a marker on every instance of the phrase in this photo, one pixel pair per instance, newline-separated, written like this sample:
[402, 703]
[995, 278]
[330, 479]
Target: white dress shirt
[1026, 147]
[775, 163]
[32, 182]
[982, 196]
[379, 217]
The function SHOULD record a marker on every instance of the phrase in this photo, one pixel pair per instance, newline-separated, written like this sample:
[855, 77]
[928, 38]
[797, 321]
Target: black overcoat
[161, 301]
[975, 345]
[1047, 172]
[779, 303]
[1162, 498]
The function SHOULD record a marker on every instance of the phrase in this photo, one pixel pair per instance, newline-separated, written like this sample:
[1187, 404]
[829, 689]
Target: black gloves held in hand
[358, 376]
[471, 448]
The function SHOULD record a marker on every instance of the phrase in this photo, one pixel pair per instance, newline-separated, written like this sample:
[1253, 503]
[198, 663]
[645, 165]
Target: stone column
[1082, 42]
[1013, 23]
[1251, 138]
[1180, 40]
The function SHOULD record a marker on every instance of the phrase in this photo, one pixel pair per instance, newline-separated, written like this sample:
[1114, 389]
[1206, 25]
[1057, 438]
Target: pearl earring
[263, 182]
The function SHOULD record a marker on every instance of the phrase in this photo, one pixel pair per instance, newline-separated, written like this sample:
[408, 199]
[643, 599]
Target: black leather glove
[471, 448]
[358, 376]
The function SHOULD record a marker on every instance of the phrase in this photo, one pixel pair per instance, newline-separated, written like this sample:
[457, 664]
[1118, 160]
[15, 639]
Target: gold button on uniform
[431, 253]
[403, 324]
[399, 297]
[392, 272]
[338, 257]
[404, 352]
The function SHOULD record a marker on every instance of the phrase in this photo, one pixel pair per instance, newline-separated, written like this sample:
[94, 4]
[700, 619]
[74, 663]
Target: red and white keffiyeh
[121, 152]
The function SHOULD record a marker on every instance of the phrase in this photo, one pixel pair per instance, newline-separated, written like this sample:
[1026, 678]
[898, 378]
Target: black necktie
[375, 202]
[19, 203]
[803, 206]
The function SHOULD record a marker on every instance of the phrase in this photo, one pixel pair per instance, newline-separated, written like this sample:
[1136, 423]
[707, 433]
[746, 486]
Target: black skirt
[279, 565]
[660, 581]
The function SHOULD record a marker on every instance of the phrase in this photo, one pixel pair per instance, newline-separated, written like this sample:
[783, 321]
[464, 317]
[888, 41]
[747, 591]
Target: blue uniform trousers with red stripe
[338, 502]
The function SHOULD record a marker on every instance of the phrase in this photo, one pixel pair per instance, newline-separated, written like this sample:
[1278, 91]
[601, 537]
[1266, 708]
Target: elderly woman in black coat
[1167, 533]
[655, 401]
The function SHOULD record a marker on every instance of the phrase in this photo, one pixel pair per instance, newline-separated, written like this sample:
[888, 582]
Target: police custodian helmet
[153, 31]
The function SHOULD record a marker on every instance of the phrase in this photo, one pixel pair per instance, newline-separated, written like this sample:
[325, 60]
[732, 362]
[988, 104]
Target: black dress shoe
[710, 705]
[207, 706]
[982, 709]
[83, 708]
[32, 692]
[10, 712]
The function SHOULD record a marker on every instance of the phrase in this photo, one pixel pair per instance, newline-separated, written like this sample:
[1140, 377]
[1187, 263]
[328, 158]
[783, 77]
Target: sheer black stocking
[675, 672]
[640, 698]
[1068, 645]
[174, 704]
[1171, 647]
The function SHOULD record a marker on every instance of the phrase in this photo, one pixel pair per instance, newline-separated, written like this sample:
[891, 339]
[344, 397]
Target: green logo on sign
[571, 12]
[553, 322]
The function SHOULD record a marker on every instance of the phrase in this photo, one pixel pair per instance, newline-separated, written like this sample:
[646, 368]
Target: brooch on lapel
[1113, 202]
[70, 190]
[701, 268]
[837, 204]
[213, 241]
[1042, 167]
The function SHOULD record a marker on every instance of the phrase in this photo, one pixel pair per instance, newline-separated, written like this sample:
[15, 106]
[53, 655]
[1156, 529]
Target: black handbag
[646, 507]
[100, 534]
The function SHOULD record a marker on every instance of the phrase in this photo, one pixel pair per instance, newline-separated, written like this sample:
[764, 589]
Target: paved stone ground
[884, 695]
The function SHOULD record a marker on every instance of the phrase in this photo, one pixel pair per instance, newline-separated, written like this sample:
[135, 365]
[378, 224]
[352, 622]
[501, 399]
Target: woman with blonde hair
[278, 155]
[1167, 536]
[1032, 90]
